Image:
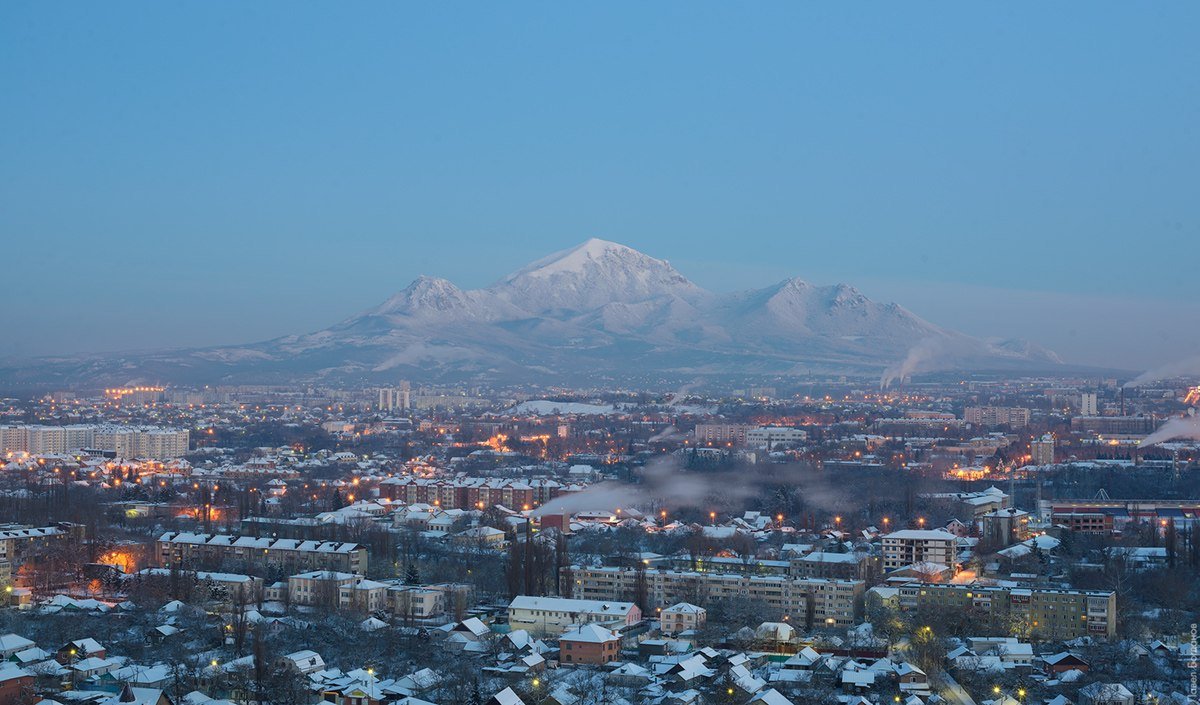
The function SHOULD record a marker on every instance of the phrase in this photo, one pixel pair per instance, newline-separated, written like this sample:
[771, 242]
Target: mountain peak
[576, 259]
[592, 274]
[426, 294]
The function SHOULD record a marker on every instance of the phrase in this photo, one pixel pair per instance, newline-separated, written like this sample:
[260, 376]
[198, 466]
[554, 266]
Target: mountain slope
[590, 276]
[598, 309]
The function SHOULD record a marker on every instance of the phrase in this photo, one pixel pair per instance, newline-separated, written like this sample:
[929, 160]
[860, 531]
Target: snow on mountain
[598, 308]
[435, 298]
[590, 276]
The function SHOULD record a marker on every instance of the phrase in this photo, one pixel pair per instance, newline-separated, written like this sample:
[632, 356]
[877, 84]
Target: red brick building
[588, 644]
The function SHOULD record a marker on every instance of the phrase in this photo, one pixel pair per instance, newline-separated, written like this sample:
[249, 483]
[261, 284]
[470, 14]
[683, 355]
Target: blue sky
[193, 173]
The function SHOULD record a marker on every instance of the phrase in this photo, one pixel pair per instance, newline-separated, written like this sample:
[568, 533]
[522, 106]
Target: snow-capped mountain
[596, 309]
[591, 276]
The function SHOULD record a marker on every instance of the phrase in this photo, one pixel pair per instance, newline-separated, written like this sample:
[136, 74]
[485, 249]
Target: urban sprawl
[982, 541]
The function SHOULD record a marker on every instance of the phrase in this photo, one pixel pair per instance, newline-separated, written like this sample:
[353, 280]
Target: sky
[179, 174]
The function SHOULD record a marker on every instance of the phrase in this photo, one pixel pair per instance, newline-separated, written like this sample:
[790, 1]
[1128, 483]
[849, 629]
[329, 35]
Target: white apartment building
[125, 441]
[769, 436]
[550, 616]
[832, 602]
[392, 398]
[909, 546]
[1088, 405]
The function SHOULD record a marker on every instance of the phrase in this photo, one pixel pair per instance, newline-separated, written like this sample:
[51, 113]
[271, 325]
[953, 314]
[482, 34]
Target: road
[953, 692]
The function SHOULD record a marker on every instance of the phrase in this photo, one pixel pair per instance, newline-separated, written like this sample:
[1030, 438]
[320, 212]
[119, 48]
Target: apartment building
[1088, 405]
[909, 546]
[550, 616]
[125, 441]
[681, 617]
[201, 550]
[473, 492]
[1041, 452]
[721, 433]
[363, 595]
[770, 436]
[821, 601]
[421, 601]
[1004, 527]
[233, 588]
[16, 541]
[318, 588]
[1114, 425]
[844, 566]
[1011, 416]
[1043, 612]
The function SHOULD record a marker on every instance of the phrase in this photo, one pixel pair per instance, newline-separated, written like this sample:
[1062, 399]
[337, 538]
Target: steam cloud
[1179, 427]
[666, 433]
[924, 356]
[1179, 368]
[666, 484]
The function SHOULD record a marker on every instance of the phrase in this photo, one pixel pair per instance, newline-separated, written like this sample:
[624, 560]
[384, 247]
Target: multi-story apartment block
[722, 433]
[803, 600]
[909, 546]
[318, 588]
[1041, 452]
[394, 398]
[1004, 527]
[1011, 416]
[1114, 425]
[845, 566]
[1045, 612]
[363, 595]
[423, 601]
[770, 436]
[1088, 405]
[473, 492]
[203, 550]
[125, 441]
[550, 616]
[17, 542]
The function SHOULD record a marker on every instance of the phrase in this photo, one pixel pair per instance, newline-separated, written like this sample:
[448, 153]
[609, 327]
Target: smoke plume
[664, 483]
[922, 357]
[1179, 427]
[1180, 368]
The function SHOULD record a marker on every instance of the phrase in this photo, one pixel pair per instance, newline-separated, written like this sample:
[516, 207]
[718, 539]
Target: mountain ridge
[599, 308]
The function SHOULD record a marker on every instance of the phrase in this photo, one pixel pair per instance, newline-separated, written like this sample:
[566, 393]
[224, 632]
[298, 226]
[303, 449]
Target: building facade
[1011, 416]
[191, 550]
[909, 546]
[549, 616]
[816, 600]
[1026, 612]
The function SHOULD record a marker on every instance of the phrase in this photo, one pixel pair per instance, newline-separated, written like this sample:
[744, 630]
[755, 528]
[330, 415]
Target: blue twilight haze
[198, 173]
